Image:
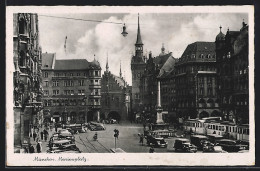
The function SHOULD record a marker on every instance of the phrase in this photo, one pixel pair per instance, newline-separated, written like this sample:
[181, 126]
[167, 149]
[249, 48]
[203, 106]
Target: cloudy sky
[84, 39]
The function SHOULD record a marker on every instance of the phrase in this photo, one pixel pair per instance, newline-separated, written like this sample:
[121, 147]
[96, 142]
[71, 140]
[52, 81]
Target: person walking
[56, 128]
[38, 147]
[41, 135]
[45, 134]
[34, 135]
[142, 139]
[151, 150]
[31, 148]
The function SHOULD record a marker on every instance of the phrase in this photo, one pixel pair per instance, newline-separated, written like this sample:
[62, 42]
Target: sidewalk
[44, 143]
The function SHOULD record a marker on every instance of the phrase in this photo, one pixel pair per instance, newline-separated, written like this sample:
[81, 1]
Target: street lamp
[124, 33]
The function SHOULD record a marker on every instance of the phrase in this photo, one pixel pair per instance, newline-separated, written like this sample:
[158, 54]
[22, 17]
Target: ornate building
[115, 96]
[137, 67]
[232, 63]
[155, 67]
[196, 82]
[72, 89]
[27, 76]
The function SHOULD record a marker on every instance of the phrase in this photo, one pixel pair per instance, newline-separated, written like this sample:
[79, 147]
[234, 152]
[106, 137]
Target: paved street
[128, 140]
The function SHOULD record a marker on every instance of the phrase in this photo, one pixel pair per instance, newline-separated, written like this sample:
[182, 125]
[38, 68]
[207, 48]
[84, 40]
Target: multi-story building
[155, 67]
[72, 89]
[196, 81]
[232, 63]
[27, 76]
[137, 67]
[115, 96]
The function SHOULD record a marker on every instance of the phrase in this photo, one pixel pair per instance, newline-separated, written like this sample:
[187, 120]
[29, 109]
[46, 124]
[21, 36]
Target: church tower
[137, 67]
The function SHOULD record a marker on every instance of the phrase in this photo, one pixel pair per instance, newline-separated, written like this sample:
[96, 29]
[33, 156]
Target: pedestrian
[41, 135]
[34, 135]
[117, 133]
[151, 150]
[142, 139]
[25, 149]
[45, 134]
[56, 128]
[31, 148]
[38, 147]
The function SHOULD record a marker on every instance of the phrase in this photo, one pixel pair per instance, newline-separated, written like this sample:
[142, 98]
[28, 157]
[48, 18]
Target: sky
[87, 39]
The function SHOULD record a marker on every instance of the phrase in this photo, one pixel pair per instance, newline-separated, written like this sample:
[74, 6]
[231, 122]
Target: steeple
[139, 43]
[138, 39]
[107, 67]
[120, 73]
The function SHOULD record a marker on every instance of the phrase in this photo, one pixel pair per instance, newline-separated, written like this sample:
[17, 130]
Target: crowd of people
[38, 135]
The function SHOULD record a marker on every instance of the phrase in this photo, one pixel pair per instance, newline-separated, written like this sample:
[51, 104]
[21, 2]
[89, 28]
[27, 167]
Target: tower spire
[139, 39]
[107, 67]
[120, 73]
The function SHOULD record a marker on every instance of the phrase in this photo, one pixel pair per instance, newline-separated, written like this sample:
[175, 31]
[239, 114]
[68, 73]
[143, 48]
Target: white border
[168, 159]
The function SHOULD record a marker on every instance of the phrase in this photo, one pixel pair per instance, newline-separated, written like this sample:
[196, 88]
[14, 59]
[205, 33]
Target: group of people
[151, 150]
[37, 136]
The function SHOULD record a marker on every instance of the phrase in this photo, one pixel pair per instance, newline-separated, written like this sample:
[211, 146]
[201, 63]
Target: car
[156, 141]
[113, 121]
[94, 126]
[183, 144]
[57, 144]
[213, 138]
[213, 149]
[199, 140]
[64, 131]
[231, 145]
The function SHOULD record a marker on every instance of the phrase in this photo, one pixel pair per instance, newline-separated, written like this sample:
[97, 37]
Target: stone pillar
[98, 115]
[159, 109]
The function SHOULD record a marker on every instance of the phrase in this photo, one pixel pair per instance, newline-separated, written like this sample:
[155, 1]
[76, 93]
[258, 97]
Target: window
[46, 92]
[55, 83]
[209, 91]
[81, 82]
[96, 81]
[78, 74]
[201, 56]
[71, 92]
[96, 92]
[91, 81]
[68, 83]
[56, 92]
[71, 74]
[201, 91]
[56, 74]
[81, 92]
[45, 74]
[96, 73]
[46, 83]
[136, 96]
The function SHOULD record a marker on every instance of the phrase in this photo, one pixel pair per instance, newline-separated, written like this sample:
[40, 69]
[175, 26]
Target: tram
[214, 125]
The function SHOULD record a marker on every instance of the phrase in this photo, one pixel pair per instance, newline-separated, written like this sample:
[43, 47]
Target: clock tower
[137, 67]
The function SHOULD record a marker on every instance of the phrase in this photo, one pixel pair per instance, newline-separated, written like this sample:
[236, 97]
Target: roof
[220, 36]
[71, 64]
[48, 60]
[168, 67]
[138, 39]
[120, 80]
[198, 48]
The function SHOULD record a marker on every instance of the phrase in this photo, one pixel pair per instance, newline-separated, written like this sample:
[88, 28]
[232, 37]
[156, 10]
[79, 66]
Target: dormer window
[201, 56]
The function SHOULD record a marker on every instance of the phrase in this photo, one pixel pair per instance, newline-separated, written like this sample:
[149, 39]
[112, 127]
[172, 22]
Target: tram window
[247, 131]
[213, 126]
[230, 129]
[216, 127]
[233, 129]
[223, 128]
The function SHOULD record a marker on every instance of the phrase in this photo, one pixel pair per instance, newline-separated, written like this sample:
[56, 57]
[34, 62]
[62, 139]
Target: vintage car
[58, 144]
[213, 138]
[231, 145]
[213, 149]
[95, 126]
[199, 140]
[156, 141]
[183, 144]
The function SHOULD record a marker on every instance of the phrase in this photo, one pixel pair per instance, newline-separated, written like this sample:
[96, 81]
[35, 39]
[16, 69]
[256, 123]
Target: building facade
[27, 76]
[232, 64]
[72, 89]
[115, 96]
[196, 82]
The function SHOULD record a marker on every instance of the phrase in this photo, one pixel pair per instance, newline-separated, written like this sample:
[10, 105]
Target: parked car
[213, 138]
[213, 149]
[231, 145]
[64, 131]
[199, 140]
[113, 121]
[94, 126]
[156, 141]
[184, 145]
[57, 144]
